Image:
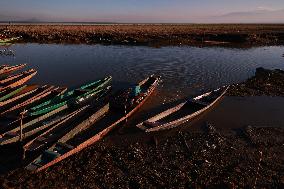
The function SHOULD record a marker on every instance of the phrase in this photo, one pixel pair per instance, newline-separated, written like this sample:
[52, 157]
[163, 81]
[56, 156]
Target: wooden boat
[183, 112]
[77, 95]
[19, 96]
[72, 142]
[9, 93]
[53, 132]
[51, 135]
[11, 78]
[5, 80]
[5, 69]
[17, 80]
[40, 94]
[52, 120]
[11, 112]
[3, 66]
[30, 128]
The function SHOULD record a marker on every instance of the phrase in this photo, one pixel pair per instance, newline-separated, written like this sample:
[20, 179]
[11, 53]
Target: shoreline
[209, 157]
[151, 34]
[246, 158]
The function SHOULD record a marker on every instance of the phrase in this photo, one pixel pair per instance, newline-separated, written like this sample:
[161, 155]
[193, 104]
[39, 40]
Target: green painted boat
[19, 97]
[75, 96]
[12, 93]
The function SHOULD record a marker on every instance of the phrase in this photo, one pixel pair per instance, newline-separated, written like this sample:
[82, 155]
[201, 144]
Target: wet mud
[265, 82]
[245, 158]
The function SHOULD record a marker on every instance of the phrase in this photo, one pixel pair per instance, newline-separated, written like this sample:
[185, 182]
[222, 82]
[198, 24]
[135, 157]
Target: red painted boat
[6, 69]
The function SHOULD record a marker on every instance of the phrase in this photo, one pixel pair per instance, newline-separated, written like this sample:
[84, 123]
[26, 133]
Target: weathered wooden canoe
[3, 66]
[183, 112]
[56, 131]
[11, 93]
[14, 135]
[60, 147]
[10, 78]
[20, 95]
[78, 95]
[33, 99]
[53, 132]
[8, 69]
[53, 119]
[32, 127]
[17, 80]
[40, 94]
[12, 116]
[65, 148]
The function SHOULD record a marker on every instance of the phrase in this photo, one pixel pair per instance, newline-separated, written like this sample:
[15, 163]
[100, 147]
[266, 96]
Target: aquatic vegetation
[150, 34]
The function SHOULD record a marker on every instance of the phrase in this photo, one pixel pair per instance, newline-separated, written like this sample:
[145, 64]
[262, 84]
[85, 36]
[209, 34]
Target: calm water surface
[185, 71]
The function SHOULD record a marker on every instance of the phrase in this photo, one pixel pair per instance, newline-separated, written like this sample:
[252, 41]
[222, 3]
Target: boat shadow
[11, 157]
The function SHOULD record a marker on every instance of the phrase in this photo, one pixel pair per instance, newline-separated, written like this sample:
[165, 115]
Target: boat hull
[153, 124]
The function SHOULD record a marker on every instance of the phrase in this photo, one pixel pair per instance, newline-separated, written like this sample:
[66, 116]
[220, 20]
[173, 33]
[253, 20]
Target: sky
[144, 11]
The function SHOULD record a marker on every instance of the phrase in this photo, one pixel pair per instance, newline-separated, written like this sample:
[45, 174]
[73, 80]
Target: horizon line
[101, 22]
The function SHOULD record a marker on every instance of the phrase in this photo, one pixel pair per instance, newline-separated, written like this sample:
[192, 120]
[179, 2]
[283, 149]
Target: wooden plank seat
[199, 102]
[150, 124]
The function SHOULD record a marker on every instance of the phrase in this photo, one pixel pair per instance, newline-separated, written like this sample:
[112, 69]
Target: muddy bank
[244, 158]
[166, 34]
[265, 82]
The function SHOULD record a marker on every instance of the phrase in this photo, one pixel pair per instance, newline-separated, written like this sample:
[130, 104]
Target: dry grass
[152, 29]
[143, 33]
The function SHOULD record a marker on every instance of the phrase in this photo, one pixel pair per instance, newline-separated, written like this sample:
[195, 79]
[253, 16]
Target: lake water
[185, 71]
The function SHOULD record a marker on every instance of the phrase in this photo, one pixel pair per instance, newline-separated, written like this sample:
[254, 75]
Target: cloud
[265, 8]
[257, 16]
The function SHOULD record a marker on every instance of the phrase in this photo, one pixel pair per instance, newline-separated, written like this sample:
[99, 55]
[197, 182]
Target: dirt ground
[244, 158]
[265, 82]
[150, 34]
